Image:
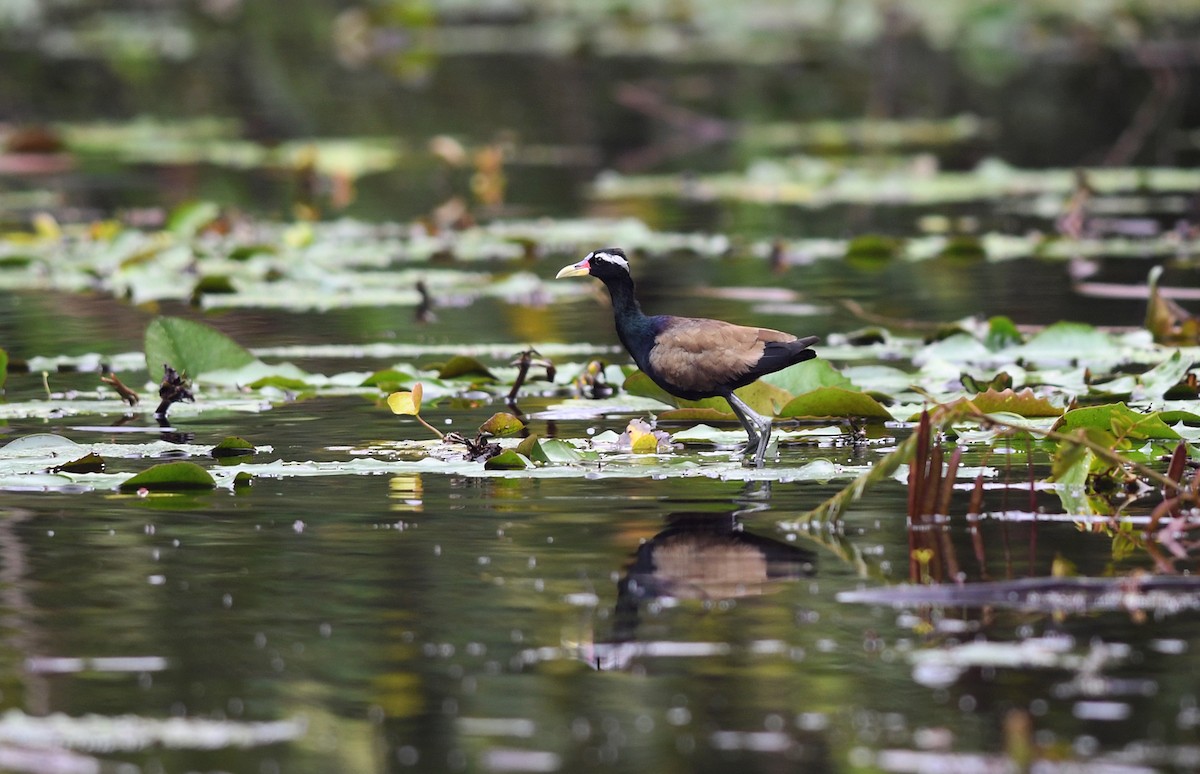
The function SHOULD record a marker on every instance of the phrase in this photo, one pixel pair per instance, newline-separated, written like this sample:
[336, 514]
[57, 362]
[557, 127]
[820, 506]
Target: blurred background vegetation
[561, 90]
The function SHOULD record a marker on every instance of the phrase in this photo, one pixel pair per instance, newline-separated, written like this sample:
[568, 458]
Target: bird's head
[602, 264]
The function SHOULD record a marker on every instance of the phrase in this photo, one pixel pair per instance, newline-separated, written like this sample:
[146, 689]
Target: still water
[432, 622]
[439, 622]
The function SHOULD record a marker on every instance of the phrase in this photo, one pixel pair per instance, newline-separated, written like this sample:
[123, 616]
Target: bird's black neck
[633, 327]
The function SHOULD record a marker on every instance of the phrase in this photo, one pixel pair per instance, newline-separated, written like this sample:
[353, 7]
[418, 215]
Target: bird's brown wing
[695, 354]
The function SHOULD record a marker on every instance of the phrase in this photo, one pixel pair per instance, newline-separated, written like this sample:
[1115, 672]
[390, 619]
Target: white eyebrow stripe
[611, 258]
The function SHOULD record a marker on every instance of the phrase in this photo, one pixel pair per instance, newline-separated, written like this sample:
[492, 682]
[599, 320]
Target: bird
[694, 357]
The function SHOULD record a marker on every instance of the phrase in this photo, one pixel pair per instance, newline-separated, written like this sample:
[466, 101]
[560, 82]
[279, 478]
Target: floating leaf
[1002, 333]
[41, 443]
[643, 443]
[191, 347]
[89, 463]
[246, 252]
[502, 424]
[527, 445]
[643, 439]
[964, 248]
[807, 376]
[1156, 382]
[189, 218]
[871, 248]
[1166, 320]
[406, 403]
[279, 383]
[171, 476]
[389, 379]
[213, 284]
[233, 446]
[1024, 403]
[835, 402]
[460, 366]
[1067, 341]
[695, 415]
[507, 460]
[1118, 419]
[640, 384]
[762, 397]
[553, 450]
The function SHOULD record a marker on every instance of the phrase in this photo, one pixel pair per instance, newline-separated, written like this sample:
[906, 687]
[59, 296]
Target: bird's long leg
[757, 427]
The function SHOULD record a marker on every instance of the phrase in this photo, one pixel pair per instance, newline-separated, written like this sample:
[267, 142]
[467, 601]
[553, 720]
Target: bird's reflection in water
[704, 556]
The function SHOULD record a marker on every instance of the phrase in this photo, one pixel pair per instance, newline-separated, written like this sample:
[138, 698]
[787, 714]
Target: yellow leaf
[46, 226]
[643, 444]
[406, 403]
[642, 439]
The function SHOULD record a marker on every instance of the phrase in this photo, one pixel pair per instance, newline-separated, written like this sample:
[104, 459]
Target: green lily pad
[502, 424]
[507, 460]
[233, 446]
[872, 247]
[89, 463]
[1176, 416]
[191, 348]
[212, 284]
[762, 397]
[1120, 420]
[696, 415]
[170, 476]
[807, 376]
[389, 379]
[1023, 403]
[835, 402]
[190, 217]
[1002, 333]
[41, 444]
[461, 366]
[964, 248]
[1067, 341]
[554, 451]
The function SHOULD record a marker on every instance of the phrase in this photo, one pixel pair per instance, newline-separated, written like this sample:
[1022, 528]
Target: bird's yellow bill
[574, 270]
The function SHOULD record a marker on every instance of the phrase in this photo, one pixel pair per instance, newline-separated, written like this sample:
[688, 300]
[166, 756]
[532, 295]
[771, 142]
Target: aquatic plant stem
[434, 430]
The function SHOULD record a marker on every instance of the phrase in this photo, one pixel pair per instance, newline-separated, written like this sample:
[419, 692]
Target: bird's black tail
[778, 355]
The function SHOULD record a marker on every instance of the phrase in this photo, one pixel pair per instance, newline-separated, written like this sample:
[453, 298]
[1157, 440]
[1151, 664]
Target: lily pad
[502, 424]
[696, 415]
[189, 218]
[1024, 403]
[233, 446]
[40, 444]
[807, 376]
[554, 450]
[1118, 419]
[1068, 341]
[762, 397]
[170, 476]
[507, 460]
[835, 402]
[89, 463]
[192, 348]
[461, 366]
[1002, 333]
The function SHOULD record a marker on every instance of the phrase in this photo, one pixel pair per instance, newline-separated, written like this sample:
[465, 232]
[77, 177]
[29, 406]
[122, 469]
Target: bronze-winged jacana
[694, 358]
